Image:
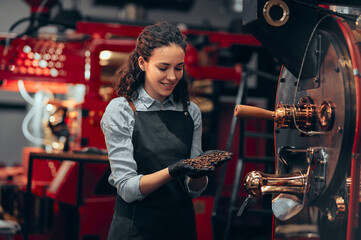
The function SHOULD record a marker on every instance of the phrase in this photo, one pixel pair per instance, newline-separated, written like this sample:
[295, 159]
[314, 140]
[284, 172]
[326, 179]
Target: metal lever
[257, 183]
[285, 115]
[245, 206]
[244, 111]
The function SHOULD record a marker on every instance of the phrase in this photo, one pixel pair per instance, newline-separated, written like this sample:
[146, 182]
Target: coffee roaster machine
[316, 186]
[64, 70]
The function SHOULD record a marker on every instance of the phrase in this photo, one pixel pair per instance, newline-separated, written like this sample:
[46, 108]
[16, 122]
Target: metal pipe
[257, 183]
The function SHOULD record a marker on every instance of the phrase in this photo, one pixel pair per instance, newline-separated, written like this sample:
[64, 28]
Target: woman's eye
[176, 69]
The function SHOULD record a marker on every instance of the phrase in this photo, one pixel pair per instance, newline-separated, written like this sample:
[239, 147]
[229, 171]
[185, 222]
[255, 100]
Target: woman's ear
[141, 63]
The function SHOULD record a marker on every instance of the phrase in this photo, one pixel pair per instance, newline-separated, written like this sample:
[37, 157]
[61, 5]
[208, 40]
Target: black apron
[160, 138]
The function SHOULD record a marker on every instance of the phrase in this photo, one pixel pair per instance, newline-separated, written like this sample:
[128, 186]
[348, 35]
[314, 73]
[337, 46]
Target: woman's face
[163, 70]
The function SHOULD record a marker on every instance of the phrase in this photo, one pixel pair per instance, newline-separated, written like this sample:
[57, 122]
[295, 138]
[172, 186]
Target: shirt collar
[148, 100]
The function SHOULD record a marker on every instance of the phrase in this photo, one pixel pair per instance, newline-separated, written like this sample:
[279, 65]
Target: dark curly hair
[129, 77]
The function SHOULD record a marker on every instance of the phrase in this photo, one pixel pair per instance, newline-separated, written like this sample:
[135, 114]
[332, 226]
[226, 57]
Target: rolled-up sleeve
[196, 115]
[117, 125]
[192, 193]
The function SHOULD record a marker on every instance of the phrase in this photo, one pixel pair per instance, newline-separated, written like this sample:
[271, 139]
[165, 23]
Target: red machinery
[316, 186]
[61, 62]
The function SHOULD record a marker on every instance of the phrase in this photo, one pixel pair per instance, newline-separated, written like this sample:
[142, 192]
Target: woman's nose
[171, 75]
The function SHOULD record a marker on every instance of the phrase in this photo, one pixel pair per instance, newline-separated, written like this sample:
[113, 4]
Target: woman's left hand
[218, 156]
[201, 172]
[211, 160]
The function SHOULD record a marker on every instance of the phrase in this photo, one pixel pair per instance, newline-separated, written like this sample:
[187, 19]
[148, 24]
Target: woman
[149, 129]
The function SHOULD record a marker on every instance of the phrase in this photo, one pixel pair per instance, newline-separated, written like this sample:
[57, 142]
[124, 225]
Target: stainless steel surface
[314, 132]
[285, 206]
[330, 137]
[334, 76]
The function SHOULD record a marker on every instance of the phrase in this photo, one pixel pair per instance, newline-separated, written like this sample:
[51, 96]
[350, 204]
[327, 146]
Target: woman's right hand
[182, 168]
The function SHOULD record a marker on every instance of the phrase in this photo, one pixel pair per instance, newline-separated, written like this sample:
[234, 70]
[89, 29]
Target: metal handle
[244, 111]
[257, 183]
[285, 115]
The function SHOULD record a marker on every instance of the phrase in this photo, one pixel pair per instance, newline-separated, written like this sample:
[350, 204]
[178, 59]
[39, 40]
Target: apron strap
[132, 106]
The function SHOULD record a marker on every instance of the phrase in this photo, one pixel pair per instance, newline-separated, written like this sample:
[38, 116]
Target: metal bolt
[319, 178]
[358, 23]
[339, 129]
[304, 99]
[321, 162]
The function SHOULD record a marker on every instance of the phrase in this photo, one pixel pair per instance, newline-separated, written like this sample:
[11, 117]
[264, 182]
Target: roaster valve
[257, 183]
[286, 116]
[299, 180]
[304, 115]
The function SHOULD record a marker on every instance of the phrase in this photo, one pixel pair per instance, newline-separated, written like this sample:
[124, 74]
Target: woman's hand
[201, 166]
[196, 184]
[222, 156]
[180, 168]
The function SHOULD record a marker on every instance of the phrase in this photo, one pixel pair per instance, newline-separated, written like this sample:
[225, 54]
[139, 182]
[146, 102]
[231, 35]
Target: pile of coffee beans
[208, 160]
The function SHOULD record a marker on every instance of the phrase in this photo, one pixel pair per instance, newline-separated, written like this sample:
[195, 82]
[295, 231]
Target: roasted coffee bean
[207, 160]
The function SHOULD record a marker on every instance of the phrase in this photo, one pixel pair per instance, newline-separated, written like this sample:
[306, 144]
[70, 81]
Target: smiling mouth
[167, 84]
